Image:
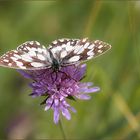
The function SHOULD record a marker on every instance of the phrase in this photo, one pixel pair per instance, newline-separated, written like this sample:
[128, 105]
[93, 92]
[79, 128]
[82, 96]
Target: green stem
[62, 130]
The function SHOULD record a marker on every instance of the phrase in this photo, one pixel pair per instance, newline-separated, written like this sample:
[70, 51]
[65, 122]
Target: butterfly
[31, 55]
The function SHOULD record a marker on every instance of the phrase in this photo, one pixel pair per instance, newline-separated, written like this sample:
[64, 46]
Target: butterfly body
[31, 55]
[55, 65]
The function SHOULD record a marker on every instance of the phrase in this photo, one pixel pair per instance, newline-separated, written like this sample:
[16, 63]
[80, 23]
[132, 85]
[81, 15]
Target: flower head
[59, 86]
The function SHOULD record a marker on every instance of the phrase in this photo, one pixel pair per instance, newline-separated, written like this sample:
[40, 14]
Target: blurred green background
[114, 113]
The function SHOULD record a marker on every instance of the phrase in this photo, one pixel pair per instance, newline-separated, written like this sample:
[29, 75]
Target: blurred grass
[114, 113]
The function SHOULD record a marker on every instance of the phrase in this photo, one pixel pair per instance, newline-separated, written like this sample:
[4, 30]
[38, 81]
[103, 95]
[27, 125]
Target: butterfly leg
[53, 77]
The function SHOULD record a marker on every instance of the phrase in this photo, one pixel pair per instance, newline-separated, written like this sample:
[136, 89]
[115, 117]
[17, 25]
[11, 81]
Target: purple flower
[59, 86]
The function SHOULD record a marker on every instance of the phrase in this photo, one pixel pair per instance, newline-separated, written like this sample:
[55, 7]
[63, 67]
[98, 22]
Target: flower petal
[80, 73]
[56, 115]
[66, 113]
[89, 90]
[72, 109]
[94, 89]
[47, 107]
[83, 96]
[24, 74]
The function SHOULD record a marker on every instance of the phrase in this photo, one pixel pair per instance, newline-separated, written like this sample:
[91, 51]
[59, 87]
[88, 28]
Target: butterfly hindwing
[62, 47]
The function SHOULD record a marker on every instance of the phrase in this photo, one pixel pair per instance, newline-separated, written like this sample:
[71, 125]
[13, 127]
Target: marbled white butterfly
[31, 55]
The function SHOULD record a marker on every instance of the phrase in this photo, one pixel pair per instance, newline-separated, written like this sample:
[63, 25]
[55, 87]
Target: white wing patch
[63, 53]
[37, 64]
[74, 58]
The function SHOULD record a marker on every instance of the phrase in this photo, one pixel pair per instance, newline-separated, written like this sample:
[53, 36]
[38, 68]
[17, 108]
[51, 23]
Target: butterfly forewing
[29, 55]
[85, 50]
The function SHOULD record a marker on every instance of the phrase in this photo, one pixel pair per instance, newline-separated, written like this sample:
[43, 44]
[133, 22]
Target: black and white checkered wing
[72, 51]
[85, 50]
[28, 56]
[61, 48]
